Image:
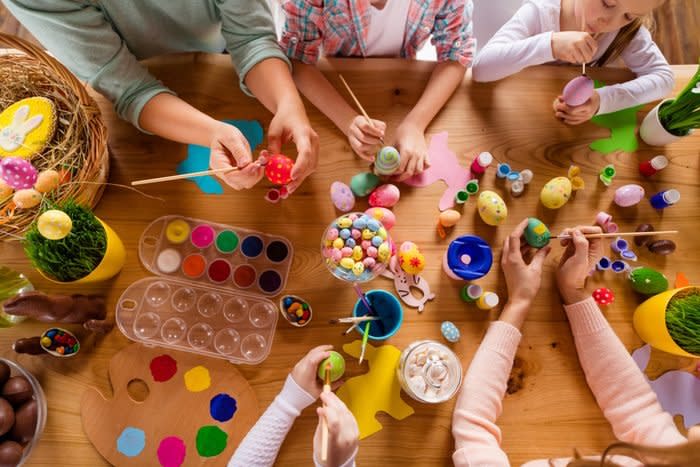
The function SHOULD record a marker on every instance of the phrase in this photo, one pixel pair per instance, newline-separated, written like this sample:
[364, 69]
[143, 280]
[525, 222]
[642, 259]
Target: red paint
[244, 276]
[646, 169]
[219, 270]
[163, 368]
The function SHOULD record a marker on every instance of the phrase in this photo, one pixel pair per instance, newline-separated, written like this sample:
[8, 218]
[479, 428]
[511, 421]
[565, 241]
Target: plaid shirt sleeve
[453, 34]
[301, 36]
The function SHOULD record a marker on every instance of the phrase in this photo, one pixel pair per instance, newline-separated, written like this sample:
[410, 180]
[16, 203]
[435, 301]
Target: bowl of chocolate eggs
[22, 413]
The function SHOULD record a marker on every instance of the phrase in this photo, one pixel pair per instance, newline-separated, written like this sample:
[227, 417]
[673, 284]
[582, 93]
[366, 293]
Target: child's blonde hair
[623, 38]
[681, 455]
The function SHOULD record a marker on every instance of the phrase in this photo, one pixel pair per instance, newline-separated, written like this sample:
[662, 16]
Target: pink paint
[481, 163]
[202, 236]
[171, 452]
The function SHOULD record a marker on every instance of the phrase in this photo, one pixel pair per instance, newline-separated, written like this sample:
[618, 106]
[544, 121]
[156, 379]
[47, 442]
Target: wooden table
[554, 410]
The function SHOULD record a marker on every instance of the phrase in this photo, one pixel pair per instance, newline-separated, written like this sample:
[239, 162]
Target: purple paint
[171, 452]
[222, 407]
[202, 236]
[270, 281]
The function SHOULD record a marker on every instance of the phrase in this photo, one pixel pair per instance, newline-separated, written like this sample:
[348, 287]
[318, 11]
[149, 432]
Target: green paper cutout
[622, 125]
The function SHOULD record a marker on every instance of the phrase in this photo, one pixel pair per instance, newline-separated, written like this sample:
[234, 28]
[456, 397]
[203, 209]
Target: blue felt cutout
[198, 156]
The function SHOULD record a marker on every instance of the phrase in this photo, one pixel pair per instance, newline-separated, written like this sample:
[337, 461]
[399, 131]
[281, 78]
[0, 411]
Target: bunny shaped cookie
[26, 127]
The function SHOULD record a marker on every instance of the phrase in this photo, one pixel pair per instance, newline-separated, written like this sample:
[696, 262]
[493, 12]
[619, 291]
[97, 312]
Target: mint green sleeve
[249, 31]
[80, 37]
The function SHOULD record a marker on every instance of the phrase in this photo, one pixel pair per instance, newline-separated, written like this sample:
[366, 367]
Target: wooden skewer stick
[623, 234]
[583, 28]
[353, 319]
[183, 176]
[357, 103]
[324, 422]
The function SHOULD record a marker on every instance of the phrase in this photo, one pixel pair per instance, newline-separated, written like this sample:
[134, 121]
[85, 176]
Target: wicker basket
[79, 144]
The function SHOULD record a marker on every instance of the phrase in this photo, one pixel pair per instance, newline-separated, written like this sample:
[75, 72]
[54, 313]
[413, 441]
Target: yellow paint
[378, 390]
[177, 231]
[540, 229]
[197, 379]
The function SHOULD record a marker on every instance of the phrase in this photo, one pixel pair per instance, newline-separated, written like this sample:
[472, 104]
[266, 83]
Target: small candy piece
[387, 161]
[450, 331]
[487, 301]
[358, 268]
[54, 224]
[18, 173]
[642, 240]
[662, 247]
[337, 367]
[603, 296]
[492, 208]
[279, 169]
[629, 195]
[27, 198]
[385, 196]
[471, 292]
[647, 281]
[342, 196]
[537, 234]
[347, 263]
[578, 91]
[363, 183]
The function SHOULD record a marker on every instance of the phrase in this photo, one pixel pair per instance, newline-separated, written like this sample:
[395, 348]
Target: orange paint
[194, 265]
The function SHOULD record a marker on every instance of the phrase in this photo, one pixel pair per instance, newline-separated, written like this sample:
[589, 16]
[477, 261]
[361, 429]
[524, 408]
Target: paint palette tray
[197, 318]
[216, 254]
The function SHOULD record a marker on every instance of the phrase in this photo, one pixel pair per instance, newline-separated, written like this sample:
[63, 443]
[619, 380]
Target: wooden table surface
[551, 413]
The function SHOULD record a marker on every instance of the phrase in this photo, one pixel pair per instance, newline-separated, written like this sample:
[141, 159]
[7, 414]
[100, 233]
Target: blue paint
[222, 407]
[131, 442]
[252, 246]
[198, 156]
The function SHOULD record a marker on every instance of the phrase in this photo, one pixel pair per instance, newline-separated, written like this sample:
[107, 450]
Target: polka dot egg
[450, 331]
[492, 208]
[18, 173]
[54, 224]
[279, 169]
[556, 193]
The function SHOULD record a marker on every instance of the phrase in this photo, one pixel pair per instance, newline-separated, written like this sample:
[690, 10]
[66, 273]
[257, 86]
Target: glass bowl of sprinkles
[356, 247]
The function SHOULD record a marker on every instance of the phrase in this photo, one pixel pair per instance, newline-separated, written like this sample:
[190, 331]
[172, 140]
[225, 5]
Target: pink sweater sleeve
[477, 437]
[620, 389]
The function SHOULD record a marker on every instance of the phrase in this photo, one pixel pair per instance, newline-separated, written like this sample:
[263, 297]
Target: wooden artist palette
[194, 411]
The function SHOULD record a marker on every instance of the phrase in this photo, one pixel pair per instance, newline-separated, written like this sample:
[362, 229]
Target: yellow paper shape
[26, 127]
[378, 390]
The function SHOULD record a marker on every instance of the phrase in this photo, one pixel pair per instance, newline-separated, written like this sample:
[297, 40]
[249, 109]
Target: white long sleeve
[260, 446]
[526, 40]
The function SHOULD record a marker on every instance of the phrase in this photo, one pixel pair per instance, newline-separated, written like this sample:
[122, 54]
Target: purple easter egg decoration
[578, 91]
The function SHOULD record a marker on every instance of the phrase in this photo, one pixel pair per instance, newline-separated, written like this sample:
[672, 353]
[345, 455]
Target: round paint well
[244, 276]
[252, 246]
[184, 299]
[146, 325]
[270, 281]
[227, 341]
[193, 265]
[253, 347]
[157, 293]
[173, 330]
[277, 251]
[200, 335]
[177, 231]
[209, 304]
[202, 236]
[219, 270]
[168, 261]
[262, 314]
[236, 309]
[227, 241]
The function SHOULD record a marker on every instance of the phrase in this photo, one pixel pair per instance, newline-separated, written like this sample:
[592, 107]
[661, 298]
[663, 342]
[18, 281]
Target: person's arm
[477, 437]
[654, 76]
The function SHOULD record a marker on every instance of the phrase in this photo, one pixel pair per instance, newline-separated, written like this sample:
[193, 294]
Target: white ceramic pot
[653, 132]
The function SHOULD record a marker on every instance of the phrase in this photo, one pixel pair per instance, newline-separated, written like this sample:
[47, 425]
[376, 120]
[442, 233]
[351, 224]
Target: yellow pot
[111, 264]
[650, 323]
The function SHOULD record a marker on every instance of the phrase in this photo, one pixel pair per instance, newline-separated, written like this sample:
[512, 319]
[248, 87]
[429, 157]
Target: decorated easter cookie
[26, 127]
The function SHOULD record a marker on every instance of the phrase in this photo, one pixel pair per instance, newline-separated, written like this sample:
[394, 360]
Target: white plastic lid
[672, 196]
[659, 162]
[526, 176]
[485, 159]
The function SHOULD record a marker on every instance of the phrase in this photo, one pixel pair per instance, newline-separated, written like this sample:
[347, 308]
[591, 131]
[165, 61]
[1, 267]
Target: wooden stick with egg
[324, 422]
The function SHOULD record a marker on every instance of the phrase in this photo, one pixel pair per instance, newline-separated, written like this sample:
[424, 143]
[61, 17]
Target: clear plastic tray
[216, 254]
[193, 317]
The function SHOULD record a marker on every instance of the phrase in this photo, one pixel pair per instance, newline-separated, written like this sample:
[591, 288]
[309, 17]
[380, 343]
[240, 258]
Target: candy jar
[429, 372]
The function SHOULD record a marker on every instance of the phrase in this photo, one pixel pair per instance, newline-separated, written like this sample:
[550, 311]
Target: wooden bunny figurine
[403, 282]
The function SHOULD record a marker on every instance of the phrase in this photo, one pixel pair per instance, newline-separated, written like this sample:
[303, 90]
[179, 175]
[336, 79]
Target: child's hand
[410, 141]
[343, 433]
[229, 147]
[364, 138]
[579, 258]
[523, 279]
[573, 46]
[290, 123]
[305, 372]
[579, 114]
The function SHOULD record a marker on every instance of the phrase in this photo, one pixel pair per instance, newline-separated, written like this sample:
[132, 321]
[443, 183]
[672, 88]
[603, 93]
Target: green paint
[622, 125]
[227, 241]
[211, 441]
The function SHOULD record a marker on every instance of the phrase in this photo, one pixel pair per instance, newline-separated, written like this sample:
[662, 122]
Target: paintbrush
[365, 336]
[357, 103]
[324, 422]
[583, 28]
[353, 319]
[622, 234]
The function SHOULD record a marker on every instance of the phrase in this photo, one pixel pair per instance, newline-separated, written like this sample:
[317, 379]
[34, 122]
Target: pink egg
[371, 252]
[18, 173]
[342, 196]
[356, 233]
[384, 215]
[578, 91]
[332, 234]
[346, 251]
[365, 244]
[336, 255]
[327, 252]
[385, 196]
[629, 195]
[369, 262]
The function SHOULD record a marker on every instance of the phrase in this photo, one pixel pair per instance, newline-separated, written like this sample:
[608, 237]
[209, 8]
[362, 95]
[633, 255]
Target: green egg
[337, 367]
[363, 183]
[537, 234]
[648, 281]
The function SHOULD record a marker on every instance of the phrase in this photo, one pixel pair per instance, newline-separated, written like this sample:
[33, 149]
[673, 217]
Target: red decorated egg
[279, 169]
[385, 196]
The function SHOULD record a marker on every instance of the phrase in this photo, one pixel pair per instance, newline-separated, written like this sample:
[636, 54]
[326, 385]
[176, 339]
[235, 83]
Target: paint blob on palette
[216, 254]
[210, 321]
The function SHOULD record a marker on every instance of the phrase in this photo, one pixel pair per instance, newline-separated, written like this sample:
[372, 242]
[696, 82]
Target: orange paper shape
[681, 281]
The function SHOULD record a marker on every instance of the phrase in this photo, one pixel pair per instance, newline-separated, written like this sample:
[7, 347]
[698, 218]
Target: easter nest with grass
[78, 148]
[683, 319]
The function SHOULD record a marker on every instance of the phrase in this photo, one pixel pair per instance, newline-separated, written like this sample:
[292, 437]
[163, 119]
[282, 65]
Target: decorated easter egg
[26, 199]
[54, 224]
[629, 195]
[279, 169]
[47, 181]
[491, 208]
[537, 234]
[26, 127]
[556, 193]
[449, 331]
[387, 161]
[384, 215]
[363, 183]
[18, 173]
[648, 281]
[342, 196]
[385, 196]
[337, 367]
[449, 218]
[578, 91]
[5, 190]
[411, 259]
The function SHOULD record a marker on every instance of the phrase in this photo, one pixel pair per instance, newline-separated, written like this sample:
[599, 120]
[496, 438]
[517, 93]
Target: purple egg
[18, 173]
[578, 91]
[629, 195]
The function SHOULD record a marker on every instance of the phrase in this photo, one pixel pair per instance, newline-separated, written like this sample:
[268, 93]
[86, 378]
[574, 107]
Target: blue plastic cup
[388, 309]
